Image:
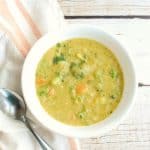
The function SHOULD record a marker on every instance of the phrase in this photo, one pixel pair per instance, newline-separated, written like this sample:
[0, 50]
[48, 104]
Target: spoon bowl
[14, 106]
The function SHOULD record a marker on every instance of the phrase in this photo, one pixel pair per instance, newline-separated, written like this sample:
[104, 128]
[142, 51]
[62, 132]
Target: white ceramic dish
[28, 81]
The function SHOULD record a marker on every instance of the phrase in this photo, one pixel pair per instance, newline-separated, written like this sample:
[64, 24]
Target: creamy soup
[79, 82]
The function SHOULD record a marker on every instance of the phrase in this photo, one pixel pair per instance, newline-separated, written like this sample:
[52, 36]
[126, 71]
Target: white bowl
[29, 91]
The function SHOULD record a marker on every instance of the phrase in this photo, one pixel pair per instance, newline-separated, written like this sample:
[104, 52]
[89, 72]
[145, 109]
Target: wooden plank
[134, 132]
[104, 7]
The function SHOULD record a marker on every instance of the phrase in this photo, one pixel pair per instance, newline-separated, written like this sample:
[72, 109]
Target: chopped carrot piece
[40, 81]
[81, 88]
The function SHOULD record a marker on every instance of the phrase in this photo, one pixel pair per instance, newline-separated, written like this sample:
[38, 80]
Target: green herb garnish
[76, 71]
[113, 74]
[112, 96]
[82, 114]
[57, 59]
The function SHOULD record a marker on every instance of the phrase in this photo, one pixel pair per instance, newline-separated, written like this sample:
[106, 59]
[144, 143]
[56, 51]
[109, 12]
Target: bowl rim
[83, 131]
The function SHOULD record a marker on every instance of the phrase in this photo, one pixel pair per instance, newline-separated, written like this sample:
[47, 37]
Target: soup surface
[79, 82]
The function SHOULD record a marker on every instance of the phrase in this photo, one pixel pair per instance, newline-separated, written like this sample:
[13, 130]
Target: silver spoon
[13, 106]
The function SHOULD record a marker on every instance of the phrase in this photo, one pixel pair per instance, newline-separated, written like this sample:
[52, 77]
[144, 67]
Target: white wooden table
[129, 21]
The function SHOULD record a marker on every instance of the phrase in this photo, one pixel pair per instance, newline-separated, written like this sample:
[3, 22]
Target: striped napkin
[22, 22]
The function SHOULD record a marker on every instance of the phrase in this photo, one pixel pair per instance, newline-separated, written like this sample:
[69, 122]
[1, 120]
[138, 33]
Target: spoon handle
[42, 142]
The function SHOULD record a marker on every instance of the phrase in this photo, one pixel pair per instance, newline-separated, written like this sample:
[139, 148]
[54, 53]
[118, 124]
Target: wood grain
[134, 132]
[105, 7]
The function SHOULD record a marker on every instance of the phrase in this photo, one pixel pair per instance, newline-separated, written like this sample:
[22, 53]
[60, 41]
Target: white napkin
[22, 22]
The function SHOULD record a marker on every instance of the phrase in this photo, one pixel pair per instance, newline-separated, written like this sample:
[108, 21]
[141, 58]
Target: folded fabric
[22, 22]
